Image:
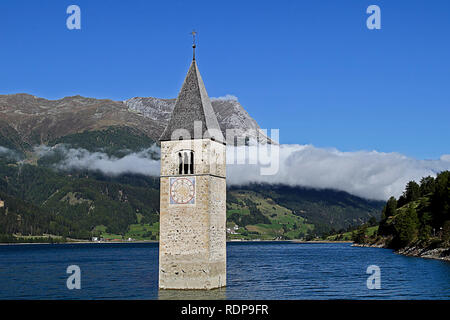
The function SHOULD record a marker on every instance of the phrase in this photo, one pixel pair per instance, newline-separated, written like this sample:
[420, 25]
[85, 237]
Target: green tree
[446, 232]
[412, 192]
[406, 227]
[401, 201]
[440, 200]
[372, 221]
[425, 227]
[359, 236]
[389, 210]
[391, 207]
[426, 186]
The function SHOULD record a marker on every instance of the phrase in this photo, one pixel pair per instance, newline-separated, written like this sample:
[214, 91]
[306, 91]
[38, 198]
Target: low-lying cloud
[368, 174]
[9, 154]
[81, 159]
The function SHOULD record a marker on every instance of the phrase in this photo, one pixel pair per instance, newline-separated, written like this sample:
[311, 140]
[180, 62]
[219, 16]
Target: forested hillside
[80, 204]
[420, 217]
[73, 204]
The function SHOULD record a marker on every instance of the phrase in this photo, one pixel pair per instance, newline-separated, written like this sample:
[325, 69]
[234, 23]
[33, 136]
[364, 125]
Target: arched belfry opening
[186, 162]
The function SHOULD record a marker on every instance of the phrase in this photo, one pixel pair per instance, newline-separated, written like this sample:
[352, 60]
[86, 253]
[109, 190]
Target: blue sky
[310, 68]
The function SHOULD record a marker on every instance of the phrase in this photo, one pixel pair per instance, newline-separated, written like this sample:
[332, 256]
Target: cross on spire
[193, 33]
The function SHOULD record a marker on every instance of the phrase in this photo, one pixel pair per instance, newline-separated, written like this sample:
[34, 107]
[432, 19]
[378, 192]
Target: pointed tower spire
[193, 109]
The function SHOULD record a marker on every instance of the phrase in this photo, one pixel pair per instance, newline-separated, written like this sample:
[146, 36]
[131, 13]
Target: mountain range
[26, 120]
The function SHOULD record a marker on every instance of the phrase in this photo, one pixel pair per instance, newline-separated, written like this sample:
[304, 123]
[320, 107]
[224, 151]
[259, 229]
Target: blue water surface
[255, 270]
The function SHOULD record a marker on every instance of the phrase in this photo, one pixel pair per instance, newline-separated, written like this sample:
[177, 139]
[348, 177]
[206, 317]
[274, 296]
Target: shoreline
[77, 242]
[156, 241]
[442, 254]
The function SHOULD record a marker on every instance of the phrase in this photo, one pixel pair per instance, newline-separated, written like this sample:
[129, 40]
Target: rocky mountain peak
[32, 120]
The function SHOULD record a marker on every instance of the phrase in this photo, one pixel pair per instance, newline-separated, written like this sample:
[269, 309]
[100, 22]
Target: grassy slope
[314, 211]
[283, 222]
[347, 236]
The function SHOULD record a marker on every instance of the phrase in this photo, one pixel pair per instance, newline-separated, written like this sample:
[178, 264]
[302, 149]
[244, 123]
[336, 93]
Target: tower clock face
[182, 190]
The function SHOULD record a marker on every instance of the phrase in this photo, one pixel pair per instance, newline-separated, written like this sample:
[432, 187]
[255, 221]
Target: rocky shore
[414, 251]
[436, 253]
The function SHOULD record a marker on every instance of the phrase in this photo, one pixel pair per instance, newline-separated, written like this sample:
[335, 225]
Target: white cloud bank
[138, 162]
[368, 174]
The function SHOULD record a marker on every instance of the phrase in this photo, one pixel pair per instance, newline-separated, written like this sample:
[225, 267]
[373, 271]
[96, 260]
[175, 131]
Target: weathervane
[193, 33]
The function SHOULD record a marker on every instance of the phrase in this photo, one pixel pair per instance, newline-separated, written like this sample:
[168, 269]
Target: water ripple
[262, 270]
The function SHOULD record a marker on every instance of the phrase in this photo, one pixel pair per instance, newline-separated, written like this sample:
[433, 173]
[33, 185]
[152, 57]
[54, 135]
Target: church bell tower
[192, 243]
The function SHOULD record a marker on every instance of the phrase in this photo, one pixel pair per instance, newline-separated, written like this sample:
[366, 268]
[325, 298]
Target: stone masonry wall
[193, 236]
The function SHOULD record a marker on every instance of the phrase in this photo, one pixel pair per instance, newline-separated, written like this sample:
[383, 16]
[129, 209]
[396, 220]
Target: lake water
[256, 270]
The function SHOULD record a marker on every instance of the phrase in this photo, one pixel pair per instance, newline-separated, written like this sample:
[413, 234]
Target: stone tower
[192, 243]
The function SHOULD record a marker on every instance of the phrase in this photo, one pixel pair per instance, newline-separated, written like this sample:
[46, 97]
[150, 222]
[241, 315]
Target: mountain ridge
[31, 120]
